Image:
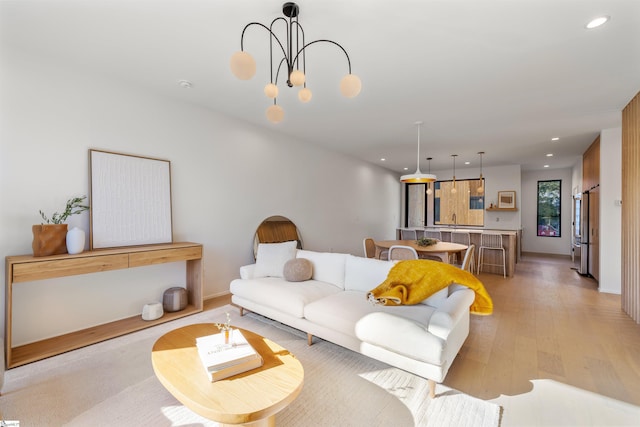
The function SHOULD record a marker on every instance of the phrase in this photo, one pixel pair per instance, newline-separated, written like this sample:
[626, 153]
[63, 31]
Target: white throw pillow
[328, 267]
[364, 274]
[271, 258]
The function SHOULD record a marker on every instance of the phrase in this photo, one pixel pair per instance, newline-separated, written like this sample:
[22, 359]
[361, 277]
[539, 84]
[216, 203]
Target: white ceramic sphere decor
[75, 240]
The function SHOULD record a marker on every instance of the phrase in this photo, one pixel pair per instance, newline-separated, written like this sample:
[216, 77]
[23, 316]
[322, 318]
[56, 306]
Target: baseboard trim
[547, 255]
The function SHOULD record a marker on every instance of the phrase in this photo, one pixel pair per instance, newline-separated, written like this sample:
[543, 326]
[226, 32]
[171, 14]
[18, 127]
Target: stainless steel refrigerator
[589, 233]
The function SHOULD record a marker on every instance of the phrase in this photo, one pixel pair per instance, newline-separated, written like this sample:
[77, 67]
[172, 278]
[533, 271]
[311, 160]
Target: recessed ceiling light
[596, 22]
[406, 169]
[382, 159]
[549, 154]
[467, 163]
[555, 138]
[546, 166]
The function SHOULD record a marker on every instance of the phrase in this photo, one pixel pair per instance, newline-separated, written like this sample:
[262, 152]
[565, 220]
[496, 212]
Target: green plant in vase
[426, 241]
[49, 237]
[74, 206]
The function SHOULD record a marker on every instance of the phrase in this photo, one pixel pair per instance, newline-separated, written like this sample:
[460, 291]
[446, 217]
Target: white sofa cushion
[271, 257]
[364, 274]
[341, 311]
[288, 297]
[437, 299]
[403, 336]
[327, 266]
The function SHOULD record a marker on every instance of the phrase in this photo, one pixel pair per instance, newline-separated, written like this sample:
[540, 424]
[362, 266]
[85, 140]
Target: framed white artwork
[130, 200]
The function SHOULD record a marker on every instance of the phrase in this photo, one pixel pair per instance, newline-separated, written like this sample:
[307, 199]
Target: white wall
[531, 242]
[503, 178]
[576, 177]
[227, 176]
[610, 213]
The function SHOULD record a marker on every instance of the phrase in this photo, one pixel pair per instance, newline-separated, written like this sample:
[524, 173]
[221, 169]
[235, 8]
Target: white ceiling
[502, 77]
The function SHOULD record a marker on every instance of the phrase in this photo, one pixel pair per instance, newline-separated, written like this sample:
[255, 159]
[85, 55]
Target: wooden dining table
[441, 250]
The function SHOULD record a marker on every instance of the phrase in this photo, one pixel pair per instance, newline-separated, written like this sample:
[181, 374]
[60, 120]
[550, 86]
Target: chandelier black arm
[271, 36]
[304, 56]
[327, 41]
[278, 72]
[284, 52]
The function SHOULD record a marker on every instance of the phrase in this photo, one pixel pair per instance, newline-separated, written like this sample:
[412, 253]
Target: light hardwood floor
[549, 323]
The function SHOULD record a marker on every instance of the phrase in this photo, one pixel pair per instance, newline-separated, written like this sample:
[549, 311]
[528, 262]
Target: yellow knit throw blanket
[412, 281]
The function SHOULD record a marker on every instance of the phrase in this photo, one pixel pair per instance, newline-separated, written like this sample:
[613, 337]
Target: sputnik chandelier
[293, 50]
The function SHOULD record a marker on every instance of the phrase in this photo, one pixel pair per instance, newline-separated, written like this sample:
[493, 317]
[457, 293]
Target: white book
[222, 360]
[235, 369]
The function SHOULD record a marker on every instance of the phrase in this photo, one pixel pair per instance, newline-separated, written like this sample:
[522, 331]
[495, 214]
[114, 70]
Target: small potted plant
[49, 237]
[226, 328]
[426, 241]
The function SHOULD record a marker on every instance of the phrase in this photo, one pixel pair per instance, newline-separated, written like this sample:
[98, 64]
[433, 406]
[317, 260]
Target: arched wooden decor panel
[276, 229]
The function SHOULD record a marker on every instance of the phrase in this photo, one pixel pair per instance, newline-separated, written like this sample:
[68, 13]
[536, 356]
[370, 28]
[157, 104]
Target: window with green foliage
[549, 203]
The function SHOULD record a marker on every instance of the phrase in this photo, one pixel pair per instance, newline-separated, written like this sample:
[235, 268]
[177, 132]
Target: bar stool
[433, 234]
[407, 234]
[491, 242]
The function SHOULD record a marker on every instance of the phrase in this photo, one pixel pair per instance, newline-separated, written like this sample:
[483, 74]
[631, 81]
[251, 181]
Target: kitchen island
[511, 240]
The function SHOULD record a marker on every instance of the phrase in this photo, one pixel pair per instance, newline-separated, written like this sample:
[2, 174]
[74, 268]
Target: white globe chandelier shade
[271, 91]
[350, 86]
[243, 66]
[305, 95]
[297, 78]
[275, 113]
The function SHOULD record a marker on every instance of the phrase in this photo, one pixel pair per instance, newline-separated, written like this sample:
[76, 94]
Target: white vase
[75, 240]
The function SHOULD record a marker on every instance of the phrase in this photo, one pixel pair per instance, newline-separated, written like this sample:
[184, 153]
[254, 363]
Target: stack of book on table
[222, 360]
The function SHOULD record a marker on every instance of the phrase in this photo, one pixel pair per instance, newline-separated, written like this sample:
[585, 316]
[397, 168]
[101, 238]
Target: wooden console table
[25, 268]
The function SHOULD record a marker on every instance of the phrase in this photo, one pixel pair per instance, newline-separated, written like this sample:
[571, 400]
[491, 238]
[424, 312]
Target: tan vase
[49, 239]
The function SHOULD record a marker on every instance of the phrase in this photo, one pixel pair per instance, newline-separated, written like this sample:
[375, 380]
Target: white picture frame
[130, 200]
[506, 199]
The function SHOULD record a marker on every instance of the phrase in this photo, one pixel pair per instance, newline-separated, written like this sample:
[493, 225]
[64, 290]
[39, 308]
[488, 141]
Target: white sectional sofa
[332, 305]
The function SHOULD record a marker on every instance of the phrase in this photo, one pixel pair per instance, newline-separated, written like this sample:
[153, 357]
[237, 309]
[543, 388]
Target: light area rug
[112, 383]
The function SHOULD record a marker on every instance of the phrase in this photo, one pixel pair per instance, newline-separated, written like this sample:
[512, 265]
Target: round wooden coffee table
[253, 397]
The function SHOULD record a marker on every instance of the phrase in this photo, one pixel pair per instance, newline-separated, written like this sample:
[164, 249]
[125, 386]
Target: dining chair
[407, 234]
[399, 252]
[463, 238]
[491, 242]
[369, 248]
[423, 255]
[467, 261]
